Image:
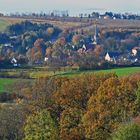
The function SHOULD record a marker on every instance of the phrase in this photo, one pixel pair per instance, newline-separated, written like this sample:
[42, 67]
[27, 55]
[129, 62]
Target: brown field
[76, 24]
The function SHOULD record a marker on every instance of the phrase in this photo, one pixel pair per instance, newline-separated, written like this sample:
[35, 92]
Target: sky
[73, 6]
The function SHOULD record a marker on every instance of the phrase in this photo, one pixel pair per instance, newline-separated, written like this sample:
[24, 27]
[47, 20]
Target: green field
[118, 71]
[36, 74]
[122, 71]
[4, 82]
[3, 24]
[68, 72]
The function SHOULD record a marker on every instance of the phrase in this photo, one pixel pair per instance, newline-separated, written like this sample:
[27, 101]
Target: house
[13, 37]
[86, 48]
[107, 17]
[46, 59]
[8, 45]
[112, 56]
[81, 50]
[14, 62]
[89, 46]
[135, 51]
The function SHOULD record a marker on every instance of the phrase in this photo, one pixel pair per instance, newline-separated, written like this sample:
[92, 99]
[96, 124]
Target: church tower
[95, 34]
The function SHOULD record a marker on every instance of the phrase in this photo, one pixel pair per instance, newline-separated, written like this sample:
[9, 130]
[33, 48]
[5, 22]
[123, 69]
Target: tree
[50, 31]
[59, 42]
[127, 132]
[138, 97]
[43, 95]
[11, 122]
[37, 53]
[40, 44]
[75, 92]
[40, 126]
[72, 93]
[48, 52]
[70, 124]
[114, 103]
[76, 39]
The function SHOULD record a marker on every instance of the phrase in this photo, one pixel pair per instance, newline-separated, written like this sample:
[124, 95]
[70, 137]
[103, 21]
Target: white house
[111, 56]
[135, 51]
[14, 62]
[46, 59]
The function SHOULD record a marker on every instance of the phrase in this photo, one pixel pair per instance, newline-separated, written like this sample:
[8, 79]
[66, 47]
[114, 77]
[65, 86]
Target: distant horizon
[72, 13]
[74, 7]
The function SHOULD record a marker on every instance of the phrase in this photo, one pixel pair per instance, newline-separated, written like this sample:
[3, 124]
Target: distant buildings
[135, 51]
[14, 62]
[112, 56]
[87, 47]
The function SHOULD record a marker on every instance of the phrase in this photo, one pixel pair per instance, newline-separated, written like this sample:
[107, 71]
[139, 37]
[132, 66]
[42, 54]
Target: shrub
[127, 132]
[40, 126]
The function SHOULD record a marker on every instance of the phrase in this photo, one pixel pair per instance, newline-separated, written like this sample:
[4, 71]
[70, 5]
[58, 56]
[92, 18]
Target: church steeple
[95, 35]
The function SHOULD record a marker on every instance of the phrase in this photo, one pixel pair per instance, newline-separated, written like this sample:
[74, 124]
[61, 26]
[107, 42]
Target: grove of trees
[88, 106]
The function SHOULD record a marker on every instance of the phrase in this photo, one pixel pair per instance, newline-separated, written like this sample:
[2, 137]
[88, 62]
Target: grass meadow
[70, 73]
[4, 82]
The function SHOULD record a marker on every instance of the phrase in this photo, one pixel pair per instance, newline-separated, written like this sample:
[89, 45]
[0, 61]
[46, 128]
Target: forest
[89, 106]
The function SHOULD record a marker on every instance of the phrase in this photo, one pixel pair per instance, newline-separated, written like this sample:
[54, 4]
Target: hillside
[56, 83]
[3, 24]
[75, 23]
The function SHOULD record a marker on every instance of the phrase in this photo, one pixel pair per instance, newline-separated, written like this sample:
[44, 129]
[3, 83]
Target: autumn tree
[59, 42]
[137, 92]
[76, 39]
[39, 43]
[40, 126]
[88, 106]
[42, 95]
[37, 52]
[50, 31]
[11, 122]
[70, 124]
[114, 103]
[75, 92]
[72, 93]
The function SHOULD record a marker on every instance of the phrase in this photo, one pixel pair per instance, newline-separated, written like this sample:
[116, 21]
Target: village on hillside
[31, 43]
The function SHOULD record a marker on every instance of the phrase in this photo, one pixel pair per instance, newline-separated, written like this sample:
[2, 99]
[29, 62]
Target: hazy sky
[74, 6]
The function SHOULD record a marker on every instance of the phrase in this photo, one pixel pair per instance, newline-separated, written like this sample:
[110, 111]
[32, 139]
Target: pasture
[122, 71]
[118, 71]
[34, 74]
[5, 82]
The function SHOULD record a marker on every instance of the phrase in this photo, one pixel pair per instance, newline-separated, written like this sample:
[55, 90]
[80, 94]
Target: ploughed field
[3, 24]
[6, 21]
[77, 23]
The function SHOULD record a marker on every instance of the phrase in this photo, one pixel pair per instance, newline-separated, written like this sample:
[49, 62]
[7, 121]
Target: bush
[11, 122]
[127, 132]
[40, 126]
[4, 97]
